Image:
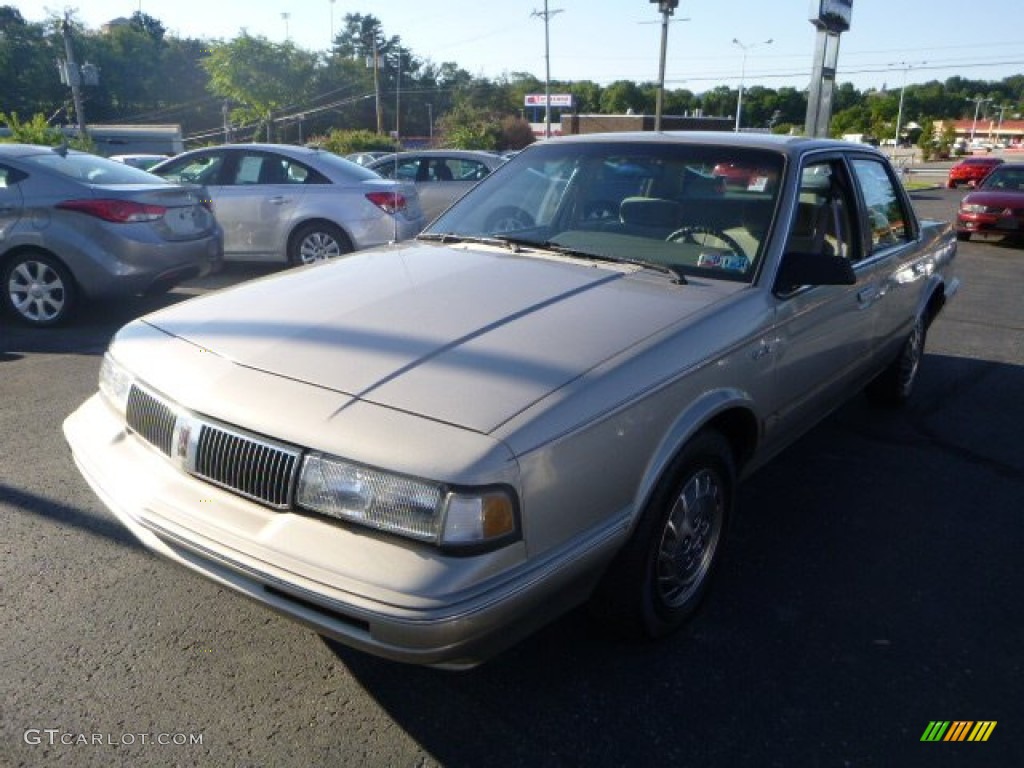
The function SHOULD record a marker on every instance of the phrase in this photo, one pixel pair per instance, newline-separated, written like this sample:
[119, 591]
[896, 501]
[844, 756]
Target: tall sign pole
[831, 18]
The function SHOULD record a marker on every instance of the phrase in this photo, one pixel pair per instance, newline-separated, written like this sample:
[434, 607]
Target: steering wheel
[508, 219]
[703, 235]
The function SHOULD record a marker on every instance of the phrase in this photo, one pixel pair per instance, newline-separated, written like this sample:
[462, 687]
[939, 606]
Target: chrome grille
[252, 466]
[256, 468]
[151, 418]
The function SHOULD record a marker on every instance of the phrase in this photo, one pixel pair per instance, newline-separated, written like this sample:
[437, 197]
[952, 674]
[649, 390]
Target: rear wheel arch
[311, 227]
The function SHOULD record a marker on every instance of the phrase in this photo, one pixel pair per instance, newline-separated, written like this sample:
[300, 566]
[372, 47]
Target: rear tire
[895, 384]
[663, 572]
[317, 241]
[38, 289]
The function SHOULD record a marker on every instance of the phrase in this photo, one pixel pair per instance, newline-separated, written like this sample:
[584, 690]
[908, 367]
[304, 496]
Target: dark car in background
[77, 226]
[996, 207]
[971, 170]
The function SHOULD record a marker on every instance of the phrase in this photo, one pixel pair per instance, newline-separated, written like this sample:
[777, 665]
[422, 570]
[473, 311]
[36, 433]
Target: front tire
[317, 241]
[38, 289]
[659, 578]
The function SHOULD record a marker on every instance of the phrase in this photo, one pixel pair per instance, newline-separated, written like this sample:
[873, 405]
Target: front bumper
[230, 540]
[990, 224]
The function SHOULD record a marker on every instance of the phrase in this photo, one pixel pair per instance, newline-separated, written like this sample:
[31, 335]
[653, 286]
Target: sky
[890, 42]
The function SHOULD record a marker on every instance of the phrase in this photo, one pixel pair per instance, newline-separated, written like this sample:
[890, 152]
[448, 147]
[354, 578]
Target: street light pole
[903, 87]
[546, 15]
[978, 101]
[743, 75]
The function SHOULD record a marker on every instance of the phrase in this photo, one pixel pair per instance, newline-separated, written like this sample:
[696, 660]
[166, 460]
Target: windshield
[695, 209]
[1010, 179]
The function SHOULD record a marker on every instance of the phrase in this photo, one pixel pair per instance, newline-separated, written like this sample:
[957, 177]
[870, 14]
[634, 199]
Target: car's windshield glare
[696, 209]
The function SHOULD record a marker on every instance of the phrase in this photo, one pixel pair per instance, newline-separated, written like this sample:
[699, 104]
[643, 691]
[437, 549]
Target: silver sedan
[296, 204]
[76, 226]
[441, 176]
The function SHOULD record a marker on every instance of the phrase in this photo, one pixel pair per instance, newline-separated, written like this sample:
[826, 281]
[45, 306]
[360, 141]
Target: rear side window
[887, 218]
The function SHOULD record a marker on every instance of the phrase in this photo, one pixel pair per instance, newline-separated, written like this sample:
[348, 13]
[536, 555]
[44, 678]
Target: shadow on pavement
[870, 586]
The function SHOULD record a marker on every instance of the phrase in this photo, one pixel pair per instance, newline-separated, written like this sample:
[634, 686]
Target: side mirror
[813, 269]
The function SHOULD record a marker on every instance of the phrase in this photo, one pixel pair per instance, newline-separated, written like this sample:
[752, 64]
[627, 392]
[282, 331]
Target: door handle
[278, 200]
[866, 296]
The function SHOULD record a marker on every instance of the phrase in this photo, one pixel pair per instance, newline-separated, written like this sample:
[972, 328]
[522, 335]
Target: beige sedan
[548, 398]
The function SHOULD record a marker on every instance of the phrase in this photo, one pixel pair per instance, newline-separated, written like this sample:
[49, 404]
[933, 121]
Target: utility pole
[376, 84]
[546, 15]
[667, 8]
[73, 75]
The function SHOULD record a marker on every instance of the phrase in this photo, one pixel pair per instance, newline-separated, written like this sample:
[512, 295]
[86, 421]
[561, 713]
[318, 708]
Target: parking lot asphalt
[871, 586]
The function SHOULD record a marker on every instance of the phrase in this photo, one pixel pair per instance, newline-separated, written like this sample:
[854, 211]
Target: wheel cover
[318, 246]
[37, 291]
[910, 360]
[690, 538]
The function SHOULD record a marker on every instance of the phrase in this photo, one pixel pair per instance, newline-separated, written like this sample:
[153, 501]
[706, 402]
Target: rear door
[258, 202]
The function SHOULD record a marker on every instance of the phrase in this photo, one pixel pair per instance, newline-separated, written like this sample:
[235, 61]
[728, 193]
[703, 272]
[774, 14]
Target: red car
[971, 170]
[996, 207]
[738, 176]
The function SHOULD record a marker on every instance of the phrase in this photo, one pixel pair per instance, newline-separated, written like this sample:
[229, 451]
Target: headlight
[418, 509]
[115, 383]
[975, 208]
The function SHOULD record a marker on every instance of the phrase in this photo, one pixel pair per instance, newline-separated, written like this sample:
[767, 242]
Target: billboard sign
[832, 15]
[557, 100]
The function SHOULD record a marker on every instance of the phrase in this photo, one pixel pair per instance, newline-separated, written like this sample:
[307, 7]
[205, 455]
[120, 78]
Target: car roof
[787, 144]
[26, 150]
[294, 150]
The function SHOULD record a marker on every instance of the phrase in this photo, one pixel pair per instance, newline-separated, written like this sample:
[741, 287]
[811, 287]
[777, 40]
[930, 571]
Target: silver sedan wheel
[318, 246]
[690, 538]
[37, 292]
[317, 241]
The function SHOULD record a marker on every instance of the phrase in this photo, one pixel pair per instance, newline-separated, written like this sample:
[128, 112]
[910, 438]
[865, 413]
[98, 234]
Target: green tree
[260, 77]
[470, 127]
[621, 97]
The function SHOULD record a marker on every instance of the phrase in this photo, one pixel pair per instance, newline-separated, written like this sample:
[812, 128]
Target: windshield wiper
[449, 237]
[551, 245]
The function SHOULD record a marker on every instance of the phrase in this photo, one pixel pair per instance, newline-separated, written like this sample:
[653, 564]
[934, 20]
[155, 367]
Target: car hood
[994, 198]
[466, 336]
